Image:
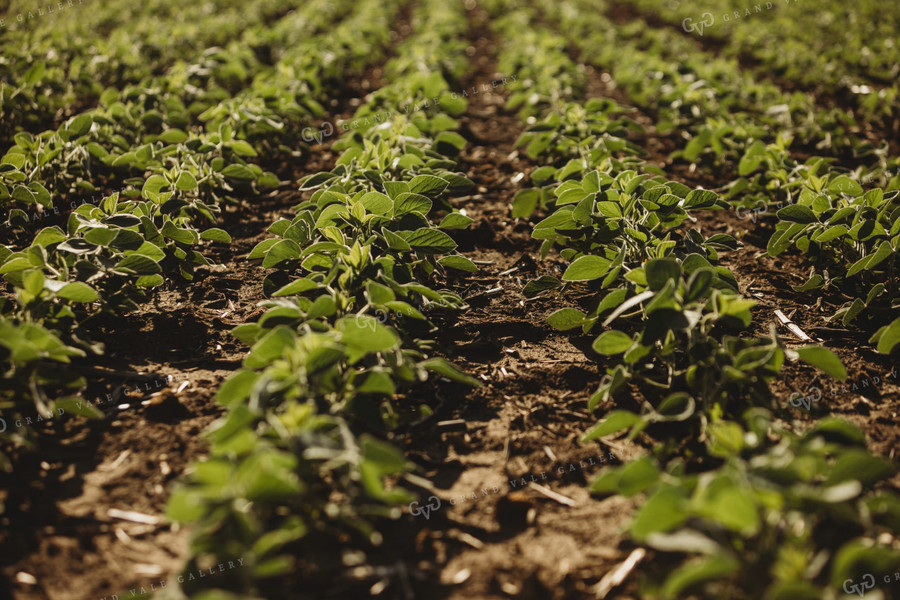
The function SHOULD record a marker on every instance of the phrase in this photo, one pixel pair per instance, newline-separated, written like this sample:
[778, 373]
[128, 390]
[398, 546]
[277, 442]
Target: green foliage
[852, 237]
[773, 500]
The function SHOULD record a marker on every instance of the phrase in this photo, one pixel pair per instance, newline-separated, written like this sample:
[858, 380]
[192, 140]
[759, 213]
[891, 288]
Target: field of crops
[465, 299]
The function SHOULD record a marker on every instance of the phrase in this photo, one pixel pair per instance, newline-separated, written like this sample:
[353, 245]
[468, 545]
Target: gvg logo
[325, 130]
[868, 582]
[812, 396]
[434, 503]
[707, 20]
[367, 322]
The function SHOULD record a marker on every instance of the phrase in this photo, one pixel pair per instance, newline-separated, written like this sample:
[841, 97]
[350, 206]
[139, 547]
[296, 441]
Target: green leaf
[184, 236]
[138, 264]
[455, 220]
[845, 185]
[884, 250]
[280, 252]
[729, 505]
[34, 282]
[612, 342]
[431, 241]
[407, 202]
[678, 406]
[524, 203]
[859, 465]
[24, 195]
[458, 262]
[700, 199]
[377, 382]
[100, 236]
[149, 281]
[812, 283]
[887, 337]
[270, 347]
[388, 458]
[587, 268]
[542, 284]
[377, 203]
[697, 571]
[748, 164]
[660, 270]
[78, 406]
[428, 185]
[448, 370]
[566, 318]
[13, 265]
[261, 248]
[614, 422]
[242, 148]
[699, 284]
[395, 242]
[451, 139]
[77, 291]
[637, 476]
[186, 181]
[628, 305]
[662, 512]
[49, 236]
[239, 172]
[365, 333]
[379, 293]
[153, 185]
[296, 287]
[835, 231]
[215, 234]
[78, 126]
[452, 104]
[797, 213]
[824, 359]
[687, 541]
[173, 136]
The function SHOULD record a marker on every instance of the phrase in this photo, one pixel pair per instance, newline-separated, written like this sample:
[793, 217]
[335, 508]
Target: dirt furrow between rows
[513, 516]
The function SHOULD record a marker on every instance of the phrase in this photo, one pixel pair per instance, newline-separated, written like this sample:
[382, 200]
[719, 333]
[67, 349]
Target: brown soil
[514, 519]
[499, 536]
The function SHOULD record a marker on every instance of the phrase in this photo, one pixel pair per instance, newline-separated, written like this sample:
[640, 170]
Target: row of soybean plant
[737, 504]
[110, 257]
[798, 45]
[58, 61]
[303, 475]
[851, 234]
